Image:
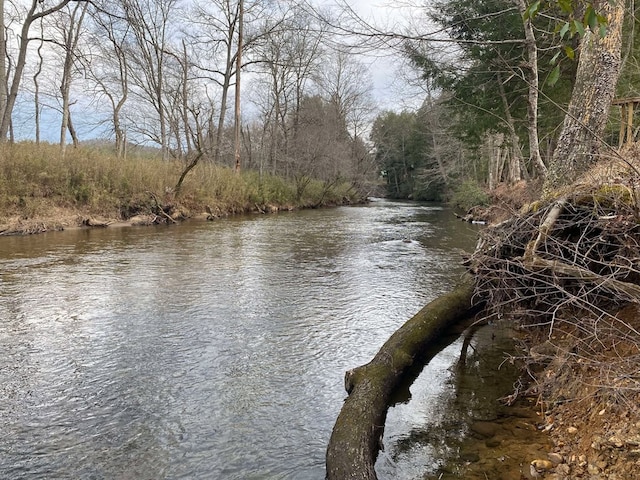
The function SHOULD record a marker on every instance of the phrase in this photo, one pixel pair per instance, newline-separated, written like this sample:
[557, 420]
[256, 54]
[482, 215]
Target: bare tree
[109, 66]
[3, 61]
[289, 59]
[37, 10]
[150, 26]
[531, 68]
[345, 84]
[237, 118]
[345, 81]
[36, 85]
[215, 46]
[70, 30]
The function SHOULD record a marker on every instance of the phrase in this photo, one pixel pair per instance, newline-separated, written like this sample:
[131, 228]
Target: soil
[501, 448]
[585, 438]
[595, 439]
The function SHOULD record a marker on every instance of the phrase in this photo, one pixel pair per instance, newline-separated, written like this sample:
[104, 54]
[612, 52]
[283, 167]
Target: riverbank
[65, 218]
[565, 270]
[550, 429]
[41, 191]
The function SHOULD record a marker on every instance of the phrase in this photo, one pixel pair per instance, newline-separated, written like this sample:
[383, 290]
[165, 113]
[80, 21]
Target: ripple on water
[204, 351]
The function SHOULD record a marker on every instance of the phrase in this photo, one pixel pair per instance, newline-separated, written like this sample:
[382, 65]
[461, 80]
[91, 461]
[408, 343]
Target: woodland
[495, 78]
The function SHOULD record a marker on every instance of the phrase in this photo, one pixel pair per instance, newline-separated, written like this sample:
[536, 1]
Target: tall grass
[35, 181]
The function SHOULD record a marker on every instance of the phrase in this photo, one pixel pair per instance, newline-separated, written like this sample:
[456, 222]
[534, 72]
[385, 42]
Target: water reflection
[206, 350]
[459, 387]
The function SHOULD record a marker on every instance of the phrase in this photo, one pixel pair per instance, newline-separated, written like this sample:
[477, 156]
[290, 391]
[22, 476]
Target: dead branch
[160, 209]
[563, 270]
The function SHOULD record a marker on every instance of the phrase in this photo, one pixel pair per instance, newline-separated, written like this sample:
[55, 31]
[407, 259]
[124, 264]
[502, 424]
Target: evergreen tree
[399, 151]
[485, 72]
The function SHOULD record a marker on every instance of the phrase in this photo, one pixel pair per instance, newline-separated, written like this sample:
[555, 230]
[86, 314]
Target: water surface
[206, 350]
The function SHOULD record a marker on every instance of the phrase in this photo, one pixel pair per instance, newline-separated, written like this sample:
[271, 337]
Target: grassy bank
[42, 190]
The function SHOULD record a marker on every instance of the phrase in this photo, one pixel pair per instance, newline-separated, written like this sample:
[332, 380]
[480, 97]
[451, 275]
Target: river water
[214, 350]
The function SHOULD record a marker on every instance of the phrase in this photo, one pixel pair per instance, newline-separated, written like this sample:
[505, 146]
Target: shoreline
[578, 435]
[75, 219]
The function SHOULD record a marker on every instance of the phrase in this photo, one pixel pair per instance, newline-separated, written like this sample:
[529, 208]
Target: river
[213, 350]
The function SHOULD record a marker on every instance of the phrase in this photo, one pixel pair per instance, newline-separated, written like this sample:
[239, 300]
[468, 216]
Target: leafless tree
[36, 85]
[289, 59]
[150, 23]
[531, 68]
[35, 11]
[109, 66]
[70, 29]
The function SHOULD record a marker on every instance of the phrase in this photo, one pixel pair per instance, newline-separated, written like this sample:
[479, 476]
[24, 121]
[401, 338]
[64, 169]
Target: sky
[390, 91]
[389, 71]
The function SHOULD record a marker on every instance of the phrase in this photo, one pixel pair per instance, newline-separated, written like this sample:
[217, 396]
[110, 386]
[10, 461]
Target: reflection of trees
[479, 377]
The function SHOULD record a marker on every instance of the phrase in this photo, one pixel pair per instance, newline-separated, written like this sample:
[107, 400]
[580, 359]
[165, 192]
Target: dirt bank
[65, 218]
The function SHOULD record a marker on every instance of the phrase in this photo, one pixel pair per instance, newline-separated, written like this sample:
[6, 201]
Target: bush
[469, 194]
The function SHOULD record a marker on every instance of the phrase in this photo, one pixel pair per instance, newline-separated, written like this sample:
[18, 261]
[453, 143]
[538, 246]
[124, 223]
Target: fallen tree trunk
[357, 433]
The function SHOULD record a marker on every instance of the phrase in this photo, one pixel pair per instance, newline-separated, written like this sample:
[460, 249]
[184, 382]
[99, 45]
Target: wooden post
[627, 106]
[630, 122]
[623, 115]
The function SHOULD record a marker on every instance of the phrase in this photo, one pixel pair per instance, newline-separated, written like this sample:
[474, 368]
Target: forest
[495, 79]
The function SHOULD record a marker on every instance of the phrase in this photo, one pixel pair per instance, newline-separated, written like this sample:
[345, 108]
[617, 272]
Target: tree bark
[596, 78]
[4, 89]
[71, 34]
[357, 433]
[532, 96]
[237, 117]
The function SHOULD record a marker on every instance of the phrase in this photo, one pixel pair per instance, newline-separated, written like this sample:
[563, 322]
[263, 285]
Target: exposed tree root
[564, 270]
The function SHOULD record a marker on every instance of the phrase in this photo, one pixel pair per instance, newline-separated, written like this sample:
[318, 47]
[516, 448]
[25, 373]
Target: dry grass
[40, 189]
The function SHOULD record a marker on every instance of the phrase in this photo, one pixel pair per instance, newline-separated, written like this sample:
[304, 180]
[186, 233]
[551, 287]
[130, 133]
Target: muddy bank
[60, 218]
[582, 434]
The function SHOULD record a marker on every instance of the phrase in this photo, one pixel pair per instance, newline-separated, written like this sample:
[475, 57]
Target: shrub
[467, 195]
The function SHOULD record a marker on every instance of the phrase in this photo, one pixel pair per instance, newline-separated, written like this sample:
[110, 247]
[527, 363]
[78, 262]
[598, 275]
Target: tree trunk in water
[598, 70]
[357, 433]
